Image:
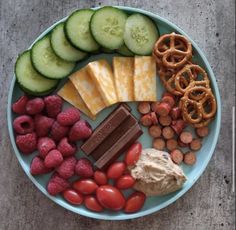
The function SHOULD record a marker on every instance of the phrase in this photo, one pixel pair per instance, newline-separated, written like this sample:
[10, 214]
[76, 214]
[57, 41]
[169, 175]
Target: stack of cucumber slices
[107, 30]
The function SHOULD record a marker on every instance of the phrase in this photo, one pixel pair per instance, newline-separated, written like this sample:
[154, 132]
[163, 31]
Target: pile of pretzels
[188, 81]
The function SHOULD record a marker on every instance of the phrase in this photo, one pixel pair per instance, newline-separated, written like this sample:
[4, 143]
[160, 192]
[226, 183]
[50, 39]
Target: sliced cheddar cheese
[123, 68]
[101, 73]
[88, 90]
[145, 79]
[69, 93]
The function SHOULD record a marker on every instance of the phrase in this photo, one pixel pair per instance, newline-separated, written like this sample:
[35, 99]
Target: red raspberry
[84, 168]
[58, 131]
[42, 125]
[53, 105]
[37, 166]
[45, 144]
[23, 124]
[53, 159]
[66, 148]
[68, 117]
[27, 143]
[35, 106]
[81, 130]
[57, 184]
[19, 106]
[67, 167]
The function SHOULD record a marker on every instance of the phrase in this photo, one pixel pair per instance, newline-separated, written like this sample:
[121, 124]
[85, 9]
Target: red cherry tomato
[85, 186]
[100, 177]
[92, 204]
[73, 197]
[133, 154]
[135, 202]
[110, 197]
[125, 182]
[115, 170]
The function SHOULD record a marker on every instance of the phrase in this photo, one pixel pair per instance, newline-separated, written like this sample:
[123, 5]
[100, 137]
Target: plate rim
[124, 216]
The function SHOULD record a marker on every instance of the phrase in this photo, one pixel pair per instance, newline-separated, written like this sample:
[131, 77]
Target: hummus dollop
[156, 174]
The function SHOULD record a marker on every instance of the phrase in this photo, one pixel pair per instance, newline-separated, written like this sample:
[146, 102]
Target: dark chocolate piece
[119, 147]
[129, 122]
[126, 106]
[105, 129]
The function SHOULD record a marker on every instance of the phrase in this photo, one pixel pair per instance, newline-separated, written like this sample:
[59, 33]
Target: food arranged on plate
[114, 160]
[166, 125]
[188, 81]
[156, 174]
[132, 79]
[112, 137]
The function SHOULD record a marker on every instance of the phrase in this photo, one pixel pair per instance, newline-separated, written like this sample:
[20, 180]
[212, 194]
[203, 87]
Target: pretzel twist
[200, 109]
[191, 73]
[174, 50]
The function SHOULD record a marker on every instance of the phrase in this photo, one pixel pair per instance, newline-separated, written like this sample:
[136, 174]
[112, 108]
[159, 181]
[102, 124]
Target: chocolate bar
[119, 147]
[126, 106]
[113, 136]
[105, 129]
[129, 122]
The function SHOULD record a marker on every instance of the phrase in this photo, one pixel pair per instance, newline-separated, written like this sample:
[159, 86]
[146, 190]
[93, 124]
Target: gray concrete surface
[209, 205]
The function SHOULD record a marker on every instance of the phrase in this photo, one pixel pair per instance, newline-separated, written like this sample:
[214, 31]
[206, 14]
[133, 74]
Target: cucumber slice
[46, 62]
[123, 50]
[140, 34]
[62, 47]
[107, 27]
[78, 32]
[29, 79]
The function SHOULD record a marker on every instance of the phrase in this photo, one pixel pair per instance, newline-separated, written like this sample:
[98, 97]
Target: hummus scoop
[156, 174]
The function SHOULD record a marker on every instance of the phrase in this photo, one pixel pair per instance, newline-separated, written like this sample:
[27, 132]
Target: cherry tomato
[85, 186]
[73, 197]
[110, 197]
[92, 204]
[135, 202]
[133, 154]
[125, 182]
[100, 177]
[115, 170]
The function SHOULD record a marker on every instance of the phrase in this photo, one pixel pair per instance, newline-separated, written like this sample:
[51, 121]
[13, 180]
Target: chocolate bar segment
[126, 106]
[129, 122]
[105, 129]
[119, 147]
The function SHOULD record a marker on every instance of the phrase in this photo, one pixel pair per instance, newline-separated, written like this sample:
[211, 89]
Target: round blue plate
[152, 204]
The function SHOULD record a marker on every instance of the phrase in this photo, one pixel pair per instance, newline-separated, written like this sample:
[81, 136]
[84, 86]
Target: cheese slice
[87, 90]
[101, 73]
[123, 68]
[69, 93]
[145, 88]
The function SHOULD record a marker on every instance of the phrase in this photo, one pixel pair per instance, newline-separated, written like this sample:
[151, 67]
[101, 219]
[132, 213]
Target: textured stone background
[209, 205]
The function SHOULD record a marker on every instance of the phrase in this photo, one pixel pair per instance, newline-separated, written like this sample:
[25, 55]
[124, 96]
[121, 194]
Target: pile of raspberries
[43, 126]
